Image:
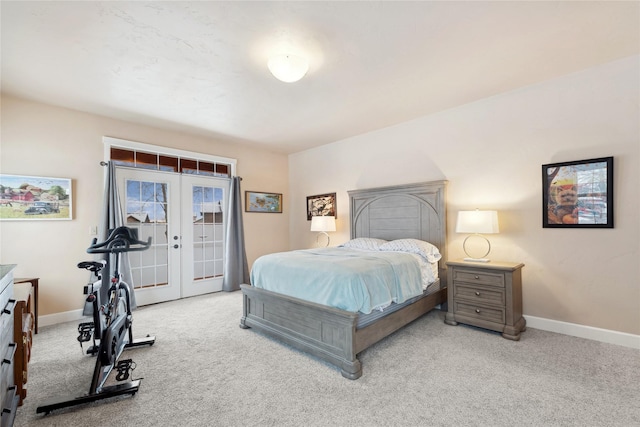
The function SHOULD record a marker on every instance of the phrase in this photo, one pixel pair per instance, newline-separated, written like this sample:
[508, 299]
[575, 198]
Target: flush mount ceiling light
[288, 68]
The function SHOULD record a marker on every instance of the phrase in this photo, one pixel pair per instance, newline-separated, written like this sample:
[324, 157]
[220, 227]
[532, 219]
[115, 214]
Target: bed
[413, 211]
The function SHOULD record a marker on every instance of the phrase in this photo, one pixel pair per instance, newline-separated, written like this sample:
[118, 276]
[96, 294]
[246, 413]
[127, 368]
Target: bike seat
[93, 266]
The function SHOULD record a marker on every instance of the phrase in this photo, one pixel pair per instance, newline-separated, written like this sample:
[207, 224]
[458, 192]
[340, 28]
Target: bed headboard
[412, 211]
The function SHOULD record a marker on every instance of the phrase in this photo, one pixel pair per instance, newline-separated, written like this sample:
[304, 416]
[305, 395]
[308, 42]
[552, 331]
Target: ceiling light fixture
[288, 68]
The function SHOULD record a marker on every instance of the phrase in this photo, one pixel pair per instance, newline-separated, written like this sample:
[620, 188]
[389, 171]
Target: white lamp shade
[480, 222]
[288, 68]
[323, 223]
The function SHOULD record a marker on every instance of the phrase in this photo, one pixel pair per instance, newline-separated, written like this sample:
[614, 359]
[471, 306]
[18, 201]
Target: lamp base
[318, 239]
[481, 258]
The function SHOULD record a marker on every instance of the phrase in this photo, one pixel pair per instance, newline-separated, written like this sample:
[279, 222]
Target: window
[144, 160]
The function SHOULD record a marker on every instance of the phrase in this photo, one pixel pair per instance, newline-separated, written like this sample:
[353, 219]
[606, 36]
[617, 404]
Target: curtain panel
[236, 268]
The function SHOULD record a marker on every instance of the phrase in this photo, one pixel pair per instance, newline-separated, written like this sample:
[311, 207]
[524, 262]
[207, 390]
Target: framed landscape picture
[321, 205]
[35, 198]
[255, 201]
[578, 194]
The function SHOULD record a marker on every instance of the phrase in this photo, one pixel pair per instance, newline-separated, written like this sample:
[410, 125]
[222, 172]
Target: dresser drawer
[5, 296]
[6, 367]
[479, 294]
[483, 278]
[489, 314]
[9, 407]
[6, 317]
[7, 399]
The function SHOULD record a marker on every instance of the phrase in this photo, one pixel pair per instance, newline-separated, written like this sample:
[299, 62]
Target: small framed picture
[35, 198]
[321, 205]
[255, 201]
[578, 194]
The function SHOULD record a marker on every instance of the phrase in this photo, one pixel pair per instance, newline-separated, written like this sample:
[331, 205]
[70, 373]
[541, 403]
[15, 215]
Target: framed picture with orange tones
[578, 194]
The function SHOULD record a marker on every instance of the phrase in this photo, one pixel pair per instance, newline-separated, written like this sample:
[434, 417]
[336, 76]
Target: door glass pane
[160, 236]
[207, 213]
[167, 164]
[161, 192]
[222, 170]
[147, 212]
[206, 168]
[146, 160]
[188, 166]
[122, 157]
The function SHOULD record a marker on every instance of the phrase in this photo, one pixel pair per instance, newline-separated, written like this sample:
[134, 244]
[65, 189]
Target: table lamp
[322, 224]
[477, 223]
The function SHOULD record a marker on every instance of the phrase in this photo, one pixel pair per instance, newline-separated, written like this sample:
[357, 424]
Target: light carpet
[204, 370]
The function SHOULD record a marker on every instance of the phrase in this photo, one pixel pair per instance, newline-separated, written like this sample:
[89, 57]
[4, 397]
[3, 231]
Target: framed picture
[255, 201]
[578, 194]
[33, 197]
[321, 205]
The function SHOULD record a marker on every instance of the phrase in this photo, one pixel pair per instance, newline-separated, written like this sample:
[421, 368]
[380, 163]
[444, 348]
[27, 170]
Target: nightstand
[487, 295]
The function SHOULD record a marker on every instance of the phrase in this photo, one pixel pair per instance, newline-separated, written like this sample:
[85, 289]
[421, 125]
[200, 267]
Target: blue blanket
[351, 280]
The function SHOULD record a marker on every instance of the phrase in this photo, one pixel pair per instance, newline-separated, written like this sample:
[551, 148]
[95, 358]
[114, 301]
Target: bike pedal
[93, 350]
[84, 331]
[123, 367]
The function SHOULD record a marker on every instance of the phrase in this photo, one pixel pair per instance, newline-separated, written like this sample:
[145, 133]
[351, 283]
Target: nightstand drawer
[484, 278]
[479, 294]
[496, 315]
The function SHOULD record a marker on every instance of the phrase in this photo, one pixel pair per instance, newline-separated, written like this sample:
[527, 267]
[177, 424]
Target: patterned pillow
[414, 246]
[366, 243]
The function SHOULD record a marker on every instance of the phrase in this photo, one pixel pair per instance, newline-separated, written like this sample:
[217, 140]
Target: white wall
[42, 140]
[491, 152]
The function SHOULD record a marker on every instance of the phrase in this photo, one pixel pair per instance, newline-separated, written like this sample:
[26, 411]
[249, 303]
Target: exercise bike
[110, 330]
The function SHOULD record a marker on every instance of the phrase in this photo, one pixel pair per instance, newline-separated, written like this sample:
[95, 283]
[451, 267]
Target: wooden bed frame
[407, 211]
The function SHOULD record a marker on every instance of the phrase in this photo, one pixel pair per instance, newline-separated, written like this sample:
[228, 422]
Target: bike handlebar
[121, 239]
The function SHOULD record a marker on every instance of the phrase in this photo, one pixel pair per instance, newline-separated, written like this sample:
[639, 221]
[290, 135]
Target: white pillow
[414, 246]
[366, 243]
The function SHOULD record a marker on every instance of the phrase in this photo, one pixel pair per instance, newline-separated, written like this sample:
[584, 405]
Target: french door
[183, 215]
[204, 202]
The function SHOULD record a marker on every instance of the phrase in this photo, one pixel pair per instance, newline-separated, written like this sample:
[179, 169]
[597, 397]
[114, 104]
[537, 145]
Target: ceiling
[200, 66]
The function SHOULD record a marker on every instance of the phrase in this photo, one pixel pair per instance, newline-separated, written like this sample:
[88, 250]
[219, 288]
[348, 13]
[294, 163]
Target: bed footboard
[324, 332]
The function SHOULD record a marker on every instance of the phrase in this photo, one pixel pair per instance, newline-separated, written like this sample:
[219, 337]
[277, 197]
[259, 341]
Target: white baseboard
[581, 331]
[573, 329]
[65, 316]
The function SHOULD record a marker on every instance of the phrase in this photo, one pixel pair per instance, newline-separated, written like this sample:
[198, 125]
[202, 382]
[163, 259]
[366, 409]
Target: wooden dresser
[8, 396]
[487, 295]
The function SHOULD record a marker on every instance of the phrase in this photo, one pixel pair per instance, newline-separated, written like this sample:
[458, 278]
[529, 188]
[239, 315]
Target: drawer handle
[478, 310]
[477, 277]
[477, 293]
[10, 353]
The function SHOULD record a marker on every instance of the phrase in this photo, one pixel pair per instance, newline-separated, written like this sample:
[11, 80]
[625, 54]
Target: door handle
[176, 246]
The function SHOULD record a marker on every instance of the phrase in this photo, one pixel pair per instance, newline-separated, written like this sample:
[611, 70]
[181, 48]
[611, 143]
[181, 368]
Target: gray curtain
[112, 217]
[236, 269]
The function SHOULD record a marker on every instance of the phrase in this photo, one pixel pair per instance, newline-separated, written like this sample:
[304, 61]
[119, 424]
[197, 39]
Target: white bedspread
[348, 279]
